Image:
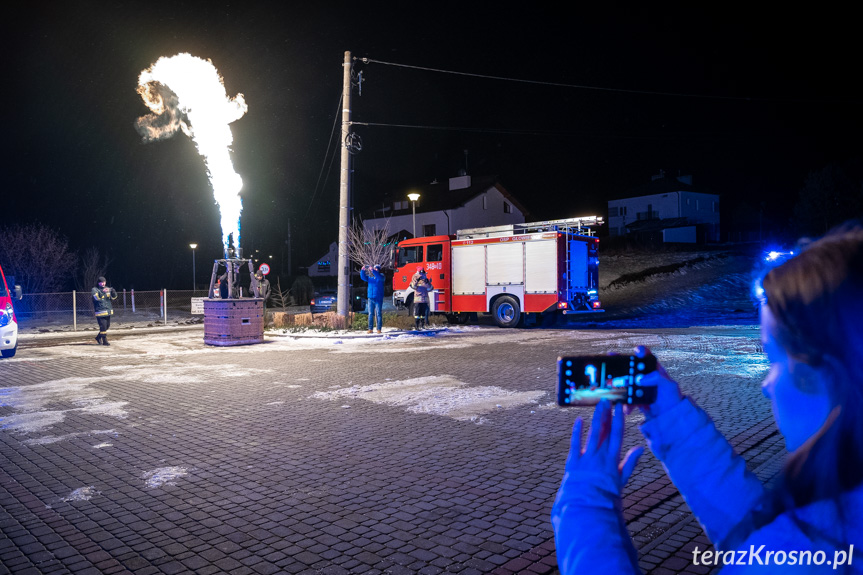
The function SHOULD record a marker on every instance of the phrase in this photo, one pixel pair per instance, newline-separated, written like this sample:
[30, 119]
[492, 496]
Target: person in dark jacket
[102, 307]
[375, 278]
[260, 286]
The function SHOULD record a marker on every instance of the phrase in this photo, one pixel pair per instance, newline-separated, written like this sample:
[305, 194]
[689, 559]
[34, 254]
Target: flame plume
[186, 93]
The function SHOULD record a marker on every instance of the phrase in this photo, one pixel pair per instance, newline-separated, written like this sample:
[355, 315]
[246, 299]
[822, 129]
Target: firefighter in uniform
[102, 307]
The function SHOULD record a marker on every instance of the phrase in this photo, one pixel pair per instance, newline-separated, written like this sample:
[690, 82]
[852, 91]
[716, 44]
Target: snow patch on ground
[164, 476]
[49, 439]
[437, 395]
[31, 422]
[32, 403]
[81, 494]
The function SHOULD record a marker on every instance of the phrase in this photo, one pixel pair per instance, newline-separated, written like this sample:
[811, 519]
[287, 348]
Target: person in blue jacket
[375, 294]
[811, 520]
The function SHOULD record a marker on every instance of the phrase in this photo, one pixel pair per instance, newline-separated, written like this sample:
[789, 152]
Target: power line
[329, 144]
[605, 89]
[563, 85]
[605, 133]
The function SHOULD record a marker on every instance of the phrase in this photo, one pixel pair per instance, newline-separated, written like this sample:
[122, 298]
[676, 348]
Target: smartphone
[586, 380]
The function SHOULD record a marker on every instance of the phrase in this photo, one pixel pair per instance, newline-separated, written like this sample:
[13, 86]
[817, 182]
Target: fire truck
[8, 319]
[515, 272]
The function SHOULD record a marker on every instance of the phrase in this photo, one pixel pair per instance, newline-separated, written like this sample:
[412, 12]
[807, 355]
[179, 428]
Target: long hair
[817, 301]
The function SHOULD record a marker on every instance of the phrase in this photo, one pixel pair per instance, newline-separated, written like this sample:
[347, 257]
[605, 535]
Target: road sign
[197, 305]
[264, 269]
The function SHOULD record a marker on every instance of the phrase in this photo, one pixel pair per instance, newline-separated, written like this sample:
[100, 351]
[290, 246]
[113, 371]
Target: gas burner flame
[187, 93]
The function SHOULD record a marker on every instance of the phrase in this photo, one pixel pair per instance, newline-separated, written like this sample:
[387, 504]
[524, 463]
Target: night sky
[746, 101]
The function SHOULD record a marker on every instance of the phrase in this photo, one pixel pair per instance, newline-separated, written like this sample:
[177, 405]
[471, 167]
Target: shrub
[303, 290]
[393, 319]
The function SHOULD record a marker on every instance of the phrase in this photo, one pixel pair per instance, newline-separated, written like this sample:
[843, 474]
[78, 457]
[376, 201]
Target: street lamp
[194, 285]
[413, 197]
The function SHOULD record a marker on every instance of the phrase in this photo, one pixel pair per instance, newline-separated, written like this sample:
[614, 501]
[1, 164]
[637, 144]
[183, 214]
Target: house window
[485, 202]
[715, 207]
[435, 253]
[507, 209]
[429, 230]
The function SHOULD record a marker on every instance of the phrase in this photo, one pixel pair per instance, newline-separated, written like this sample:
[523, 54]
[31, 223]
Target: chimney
[459, 183]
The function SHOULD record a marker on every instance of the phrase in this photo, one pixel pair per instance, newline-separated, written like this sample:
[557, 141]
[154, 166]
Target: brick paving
[268, 478]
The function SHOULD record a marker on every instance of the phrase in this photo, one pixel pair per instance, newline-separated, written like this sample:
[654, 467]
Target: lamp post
[194, 284]
[413, 197]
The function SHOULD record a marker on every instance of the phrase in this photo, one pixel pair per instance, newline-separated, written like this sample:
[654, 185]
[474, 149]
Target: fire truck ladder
[581, 226]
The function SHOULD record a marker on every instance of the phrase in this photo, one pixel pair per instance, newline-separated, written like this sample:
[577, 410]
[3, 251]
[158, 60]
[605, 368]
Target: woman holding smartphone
[811, 310]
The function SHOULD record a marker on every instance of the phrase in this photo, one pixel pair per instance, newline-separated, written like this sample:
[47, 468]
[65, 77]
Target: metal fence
[75, 309]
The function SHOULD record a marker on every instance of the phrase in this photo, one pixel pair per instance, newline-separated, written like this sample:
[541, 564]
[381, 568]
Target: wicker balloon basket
[233, 321]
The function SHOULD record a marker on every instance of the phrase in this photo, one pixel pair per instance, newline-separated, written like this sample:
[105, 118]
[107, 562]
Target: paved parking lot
[411, 454]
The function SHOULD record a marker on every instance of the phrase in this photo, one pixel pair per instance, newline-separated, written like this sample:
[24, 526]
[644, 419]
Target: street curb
[36, 338]
[119, 331]
[362, 335]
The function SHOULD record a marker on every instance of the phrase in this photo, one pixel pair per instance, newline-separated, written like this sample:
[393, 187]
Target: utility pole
[343, 293]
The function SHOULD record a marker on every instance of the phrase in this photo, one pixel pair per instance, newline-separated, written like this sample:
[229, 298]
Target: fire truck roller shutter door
[540, 265]
[578, 265]
[506, 263]
[468, 270]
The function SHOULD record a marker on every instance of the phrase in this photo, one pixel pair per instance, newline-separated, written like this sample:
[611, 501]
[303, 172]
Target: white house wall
[331, 256]
[471, 215]
[699, 208]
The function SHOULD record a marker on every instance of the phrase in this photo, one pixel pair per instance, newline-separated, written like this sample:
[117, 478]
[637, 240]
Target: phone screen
[586, 380]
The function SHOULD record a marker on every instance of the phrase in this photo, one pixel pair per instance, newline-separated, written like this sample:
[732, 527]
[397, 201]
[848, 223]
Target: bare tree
[281, 298]
[93, 265]
[37, 256]
[369, 247]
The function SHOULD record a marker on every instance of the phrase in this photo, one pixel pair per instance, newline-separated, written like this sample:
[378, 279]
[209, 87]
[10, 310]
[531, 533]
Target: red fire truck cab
[509, 271]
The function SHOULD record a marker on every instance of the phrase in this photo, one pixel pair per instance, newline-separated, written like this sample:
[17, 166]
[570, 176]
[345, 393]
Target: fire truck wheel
[506, 311]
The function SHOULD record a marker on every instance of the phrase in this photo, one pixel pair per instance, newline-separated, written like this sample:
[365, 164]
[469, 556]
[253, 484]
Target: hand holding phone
[586, 380]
